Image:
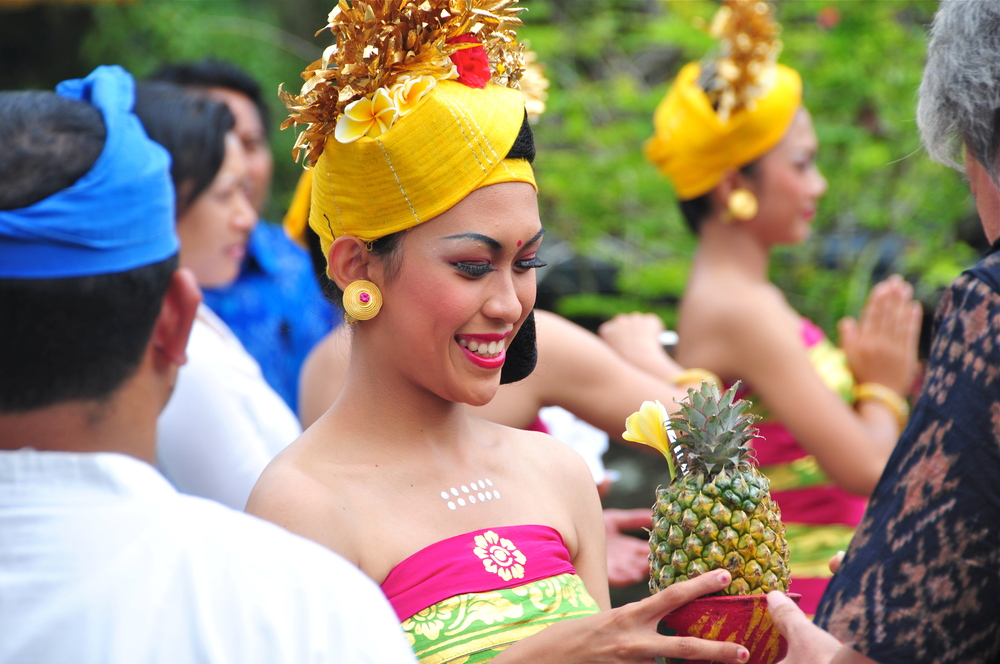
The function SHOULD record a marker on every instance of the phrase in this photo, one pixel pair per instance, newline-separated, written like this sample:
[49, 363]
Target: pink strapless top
[479, 561]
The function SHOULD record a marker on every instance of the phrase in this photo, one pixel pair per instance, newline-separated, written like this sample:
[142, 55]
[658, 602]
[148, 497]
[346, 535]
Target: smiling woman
[489, 541]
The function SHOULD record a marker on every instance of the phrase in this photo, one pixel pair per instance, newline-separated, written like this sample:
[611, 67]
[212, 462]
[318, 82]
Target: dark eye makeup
[482, 269]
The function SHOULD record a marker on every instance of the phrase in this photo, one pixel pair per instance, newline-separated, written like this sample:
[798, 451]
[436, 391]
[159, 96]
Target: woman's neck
[730, 246]
[384, 408]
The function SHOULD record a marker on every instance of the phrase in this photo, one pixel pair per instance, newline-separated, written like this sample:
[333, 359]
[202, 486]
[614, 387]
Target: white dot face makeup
[469, 494]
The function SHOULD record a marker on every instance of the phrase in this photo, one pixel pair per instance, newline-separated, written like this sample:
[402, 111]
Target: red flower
[472, 64]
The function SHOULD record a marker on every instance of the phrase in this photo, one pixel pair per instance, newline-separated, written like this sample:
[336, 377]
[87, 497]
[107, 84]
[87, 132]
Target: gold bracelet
[885, 396]
[696, 377]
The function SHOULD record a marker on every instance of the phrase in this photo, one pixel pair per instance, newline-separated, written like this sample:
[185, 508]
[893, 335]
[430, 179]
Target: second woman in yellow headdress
[735, 141]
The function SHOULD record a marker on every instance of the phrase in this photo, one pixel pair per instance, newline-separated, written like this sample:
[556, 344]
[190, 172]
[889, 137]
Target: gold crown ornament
[731, 108]
[414, 106]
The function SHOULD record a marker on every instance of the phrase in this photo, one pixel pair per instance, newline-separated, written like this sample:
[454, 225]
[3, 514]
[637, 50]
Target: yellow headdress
[412, 108]
[727, 111]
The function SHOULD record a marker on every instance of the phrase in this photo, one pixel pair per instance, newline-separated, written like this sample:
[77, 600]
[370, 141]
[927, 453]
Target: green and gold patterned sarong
[466, 598]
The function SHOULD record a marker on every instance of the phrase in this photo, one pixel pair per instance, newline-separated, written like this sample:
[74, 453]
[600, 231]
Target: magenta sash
[480, 561]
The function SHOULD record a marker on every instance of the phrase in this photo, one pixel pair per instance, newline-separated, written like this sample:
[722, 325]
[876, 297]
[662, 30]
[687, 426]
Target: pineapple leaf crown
[712, 431]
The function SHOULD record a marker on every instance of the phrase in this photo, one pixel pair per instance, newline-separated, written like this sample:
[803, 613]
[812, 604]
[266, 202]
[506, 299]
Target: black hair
[695, 210]
[76, 339]
[49, 142]
[212, 73]
[522, 354]
[67, 339]
[524, 144]
[193, 130]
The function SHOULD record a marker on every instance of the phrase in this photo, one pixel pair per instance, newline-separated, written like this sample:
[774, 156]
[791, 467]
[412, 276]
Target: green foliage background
[609, 63]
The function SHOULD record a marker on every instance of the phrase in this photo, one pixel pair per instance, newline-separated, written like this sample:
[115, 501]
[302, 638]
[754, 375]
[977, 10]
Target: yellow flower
[409, 90]
[651, 426]
[366, 117]
[500, 556]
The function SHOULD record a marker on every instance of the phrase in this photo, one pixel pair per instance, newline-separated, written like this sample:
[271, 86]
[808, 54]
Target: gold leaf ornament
[749, 47]
[380, 42]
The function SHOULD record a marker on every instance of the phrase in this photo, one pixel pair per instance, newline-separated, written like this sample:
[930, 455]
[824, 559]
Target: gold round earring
[362, 301]
[742, 205]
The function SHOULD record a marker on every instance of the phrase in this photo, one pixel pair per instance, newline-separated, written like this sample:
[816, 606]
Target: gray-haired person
[921, 579]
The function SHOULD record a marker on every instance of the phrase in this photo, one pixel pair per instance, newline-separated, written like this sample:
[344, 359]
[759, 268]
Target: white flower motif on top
[500, 556]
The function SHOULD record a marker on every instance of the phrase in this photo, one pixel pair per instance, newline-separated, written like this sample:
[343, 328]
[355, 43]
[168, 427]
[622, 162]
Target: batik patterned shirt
[921, 580]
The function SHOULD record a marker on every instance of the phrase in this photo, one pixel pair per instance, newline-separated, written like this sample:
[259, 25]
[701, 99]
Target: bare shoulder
[723, 321]
[540, 457]
[714, 300]
[292, 496]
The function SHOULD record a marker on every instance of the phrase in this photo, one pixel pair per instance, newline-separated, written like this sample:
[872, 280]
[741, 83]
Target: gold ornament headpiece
[730, 109]
[413, 106]
[534, 86]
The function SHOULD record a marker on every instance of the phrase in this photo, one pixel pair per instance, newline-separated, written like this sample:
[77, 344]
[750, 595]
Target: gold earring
[362, 301]
[742, 205]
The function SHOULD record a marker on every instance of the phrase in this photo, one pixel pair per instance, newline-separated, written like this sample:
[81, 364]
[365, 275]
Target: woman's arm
[753, 335]
[580, 373]
[636, 337]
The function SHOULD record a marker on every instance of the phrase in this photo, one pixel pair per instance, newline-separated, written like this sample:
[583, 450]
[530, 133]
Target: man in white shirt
[101, 560]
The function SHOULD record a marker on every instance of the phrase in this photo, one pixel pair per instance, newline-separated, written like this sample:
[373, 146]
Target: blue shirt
[275, 308]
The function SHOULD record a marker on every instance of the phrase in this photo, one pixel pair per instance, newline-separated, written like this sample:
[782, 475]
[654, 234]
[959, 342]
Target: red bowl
[742, 619]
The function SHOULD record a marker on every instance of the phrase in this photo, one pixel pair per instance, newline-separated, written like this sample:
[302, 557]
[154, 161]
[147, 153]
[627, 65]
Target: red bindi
[519, 243]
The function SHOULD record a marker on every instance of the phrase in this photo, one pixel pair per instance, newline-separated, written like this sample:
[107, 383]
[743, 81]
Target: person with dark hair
[101, 560]
[736, 142]
[224, 423]
[488, 541]
[274, 306]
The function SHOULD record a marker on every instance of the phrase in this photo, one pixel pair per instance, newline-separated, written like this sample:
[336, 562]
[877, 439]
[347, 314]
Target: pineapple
[717, 511]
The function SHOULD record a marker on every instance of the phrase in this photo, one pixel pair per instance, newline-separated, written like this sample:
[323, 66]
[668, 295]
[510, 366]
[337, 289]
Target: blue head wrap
[119, 216]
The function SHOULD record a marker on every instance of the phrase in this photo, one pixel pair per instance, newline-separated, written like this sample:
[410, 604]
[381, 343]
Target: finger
[633, 519]
[625, 575]
[655, 322]
[902, 311]
[687, 647]
[681, 593]
[807, 642]
[847, 329]
[877, 318]
[913, 332]
[627, 564]
[785, 614]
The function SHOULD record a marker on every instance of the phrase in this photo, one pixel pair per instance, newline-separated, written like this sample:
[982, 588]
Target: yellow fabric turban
[452, 143]
[693, 148]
